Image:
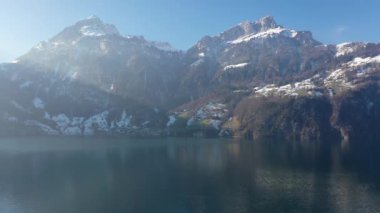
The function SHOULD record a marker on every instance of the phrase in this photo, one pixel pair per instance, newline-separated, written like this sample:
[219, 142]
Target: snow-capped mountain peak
[94, 26]
[91, 26]
[246, 26]
[264, 30]
[272, 32]
[249, 28]
[263, 24]
[92, 17]
[267, 22]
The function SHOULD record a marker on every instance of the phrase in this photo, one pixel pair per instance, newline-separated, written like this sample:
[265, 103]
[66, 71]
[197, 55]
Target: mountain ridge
[89, 80]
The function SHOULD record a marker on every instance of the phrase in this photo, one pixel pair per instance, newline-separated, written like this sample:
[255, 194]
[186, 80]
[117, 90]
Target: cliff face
[285, 118]
[257, 80]
[352, 116]
[357, 113]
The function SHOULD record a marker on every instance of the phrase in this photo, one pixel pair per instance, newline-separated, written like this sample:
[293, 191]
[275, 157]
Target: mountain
[90, 79]
[255, 53]
[94, 53]
[257, 79]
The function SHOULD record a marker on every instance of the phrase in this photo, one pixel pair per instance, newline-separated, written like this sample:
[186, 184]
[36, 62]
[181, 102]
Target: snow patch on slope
[337, 78]
[363, 61]
[235, 66]
[348, 48]
[343, 77]
[171, 121]
[306, 87]
[125, 120]
[270, 33]
[96, 122]
[72, 131]
[62, 121]
[197, 62]
[97, 31]
[74, 126]
[343, 49]
[211, 114]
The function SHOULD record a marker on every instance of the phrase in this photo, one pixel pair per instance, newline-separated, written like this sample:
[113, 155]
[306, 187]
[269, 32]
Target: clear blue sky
[23, 23]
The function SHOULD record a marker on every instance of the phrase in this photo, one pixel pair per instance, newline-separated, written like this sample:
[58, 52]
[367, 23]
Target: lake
[186, 175]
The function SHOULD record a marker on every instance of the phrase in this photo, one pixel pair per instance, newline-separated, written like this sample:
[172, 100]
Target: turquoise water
[185, 175]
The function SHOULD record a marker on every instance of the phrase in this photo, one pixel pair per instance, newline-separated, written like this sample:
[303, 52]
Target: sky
[23, 23]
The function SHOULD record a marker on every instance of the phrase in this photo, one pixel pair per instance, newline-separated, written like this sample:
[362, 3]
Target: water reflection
[184, 175]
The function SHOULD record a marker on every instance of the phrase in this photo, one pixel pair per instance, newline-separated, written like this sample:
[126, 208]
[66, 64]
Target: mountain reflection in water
[186, 175]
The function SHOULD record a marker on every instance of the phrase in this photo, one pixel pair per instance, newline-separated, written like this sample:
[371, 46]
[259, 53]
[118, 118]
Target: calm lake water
[185, 175]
